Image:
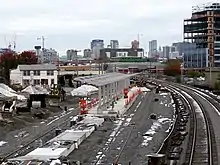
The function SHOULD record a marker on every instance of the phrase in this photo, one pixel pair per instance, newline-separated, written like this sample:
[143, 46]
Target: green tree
[194, 74]
[172, 68]
[10, 60]
[217, 83]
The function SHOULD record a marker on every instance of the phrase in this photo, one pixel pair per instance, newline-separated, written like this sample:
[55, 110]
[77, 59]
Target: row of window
[37, 81]
[37, 73]
[194, 65]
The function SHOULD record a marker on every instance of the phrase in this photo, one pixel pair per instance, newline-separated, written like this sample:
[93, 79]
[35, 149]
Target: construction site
[203, 29]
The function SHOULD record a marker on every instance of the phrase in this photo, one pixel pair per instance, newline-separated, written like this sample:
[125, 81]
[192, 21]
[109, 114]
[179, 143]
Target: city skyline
[65, 28]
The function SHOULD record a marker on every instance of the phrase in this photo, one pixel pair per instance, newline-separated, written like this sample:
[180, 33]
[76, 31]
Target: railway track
[23, 149]
[117, 158]
[200, 148]
[112, 138]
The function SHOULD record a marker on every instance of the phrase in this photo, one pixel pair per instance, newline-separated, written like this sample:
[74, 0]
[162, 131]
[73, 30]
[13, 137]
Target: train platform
[120, 106]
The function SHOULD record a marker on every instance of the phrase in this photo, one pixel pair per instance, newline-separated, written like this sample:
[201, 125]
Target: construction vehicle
[57, 95]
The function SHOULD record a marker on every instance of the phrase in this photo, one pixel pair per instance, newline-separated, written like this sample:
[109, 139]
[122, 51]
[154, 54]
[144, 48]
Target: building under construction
[203, 31]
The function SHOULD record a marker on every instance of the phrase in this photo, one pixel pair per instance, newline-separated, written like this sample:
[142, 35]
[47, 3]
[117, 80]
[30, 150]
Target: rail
[201, 140]
[26, 145]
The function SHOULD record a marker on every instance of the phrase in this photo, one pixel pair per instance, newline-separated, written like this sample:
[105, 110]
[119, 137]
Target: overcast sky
[74, 23]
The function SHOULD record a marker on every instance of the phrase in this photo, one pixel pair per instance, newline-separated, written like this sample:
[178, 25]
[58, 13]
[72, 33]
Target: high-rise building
[50, 56]
[87, 53]
[152, 48]
[46, 55]
[114, 44]
[96, 46]
[166, 52]
[71, 54]
[135, 44]
[39, 53]
[160, 52]
[203, 29]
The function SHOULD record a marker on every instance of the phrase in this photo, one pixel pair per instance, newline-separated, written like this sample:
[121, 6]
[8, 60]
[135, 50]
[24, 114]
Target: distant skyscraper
[152, 48]
[71, 54]
[166, 52]
[135, 44]
[114, 44]
[96, 46]
[87, 53]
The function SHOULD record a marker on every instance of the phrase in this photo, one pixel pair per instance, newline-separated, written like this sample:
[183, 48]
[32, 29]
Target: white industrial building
[110, 85]
[45, 74]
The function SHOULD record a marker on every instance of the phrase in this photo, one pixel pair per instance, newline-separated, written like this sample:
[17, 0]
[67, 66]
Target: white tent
[7, 93]
[84, 90]
[7, 88]
[41, 89]
[34, 90]
[89, 88]
[79, 92]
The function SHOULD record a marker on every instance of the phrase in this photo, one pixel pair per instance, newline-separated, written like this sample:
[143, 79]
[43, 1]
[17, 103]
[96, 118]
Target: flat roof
[68, 135]
[47, 152]
[103, 79]
[38, 67]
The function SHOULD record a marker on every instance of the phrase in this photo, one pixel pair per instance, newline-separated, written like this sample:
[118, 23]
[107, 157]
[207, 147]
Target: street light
[42, 41]
[182, 68]
[138, 36]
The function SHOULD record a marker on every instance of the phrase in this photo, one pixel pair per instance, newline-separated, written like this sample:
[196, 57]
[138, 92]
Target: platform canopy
[103, 79]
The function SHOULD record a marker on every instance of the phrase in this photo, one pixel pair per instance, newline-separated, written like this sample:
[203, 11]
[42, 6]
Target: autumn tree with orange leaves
[173, 67]
[10, 60]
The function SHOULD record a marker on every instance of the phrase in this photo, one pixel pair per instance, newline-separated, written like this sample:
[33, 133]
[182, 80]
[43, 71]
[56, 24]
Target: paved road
[18, 138]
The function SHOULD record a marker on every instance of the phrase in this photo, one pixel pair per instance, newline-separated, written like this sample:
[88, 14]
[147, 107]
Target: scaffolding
[206, 7]
[203, 28]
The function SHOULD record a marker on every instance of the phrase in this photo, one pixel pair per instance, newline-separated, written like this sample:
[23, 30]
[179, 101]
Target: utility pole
[77, 61]
[138, 37]
[182, 69]
[43, 40]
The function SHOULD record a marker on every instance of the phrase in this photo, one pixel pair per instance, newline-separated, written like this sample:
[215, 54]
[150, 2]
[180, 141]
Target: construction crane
[77, 61]
[11, 45]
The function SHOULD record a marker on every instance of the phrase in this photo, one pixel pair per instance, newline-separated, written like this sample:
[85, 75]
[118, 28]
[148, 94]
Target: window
[217, 45]
[44, 81]
[26, 73]
[217, 51]
[36, 73]
[52, 81]
[26, 82]
[36, 82]
[50, 73]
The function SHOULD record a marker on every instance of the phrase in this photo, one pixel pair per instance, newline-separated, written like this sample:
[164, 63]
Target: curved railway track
[200, 148]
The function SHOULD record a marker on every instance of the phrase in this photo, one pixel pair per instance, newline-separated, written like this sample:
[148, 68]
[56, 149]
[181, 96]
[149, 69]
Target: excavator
[8, 108]
[57, 94]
